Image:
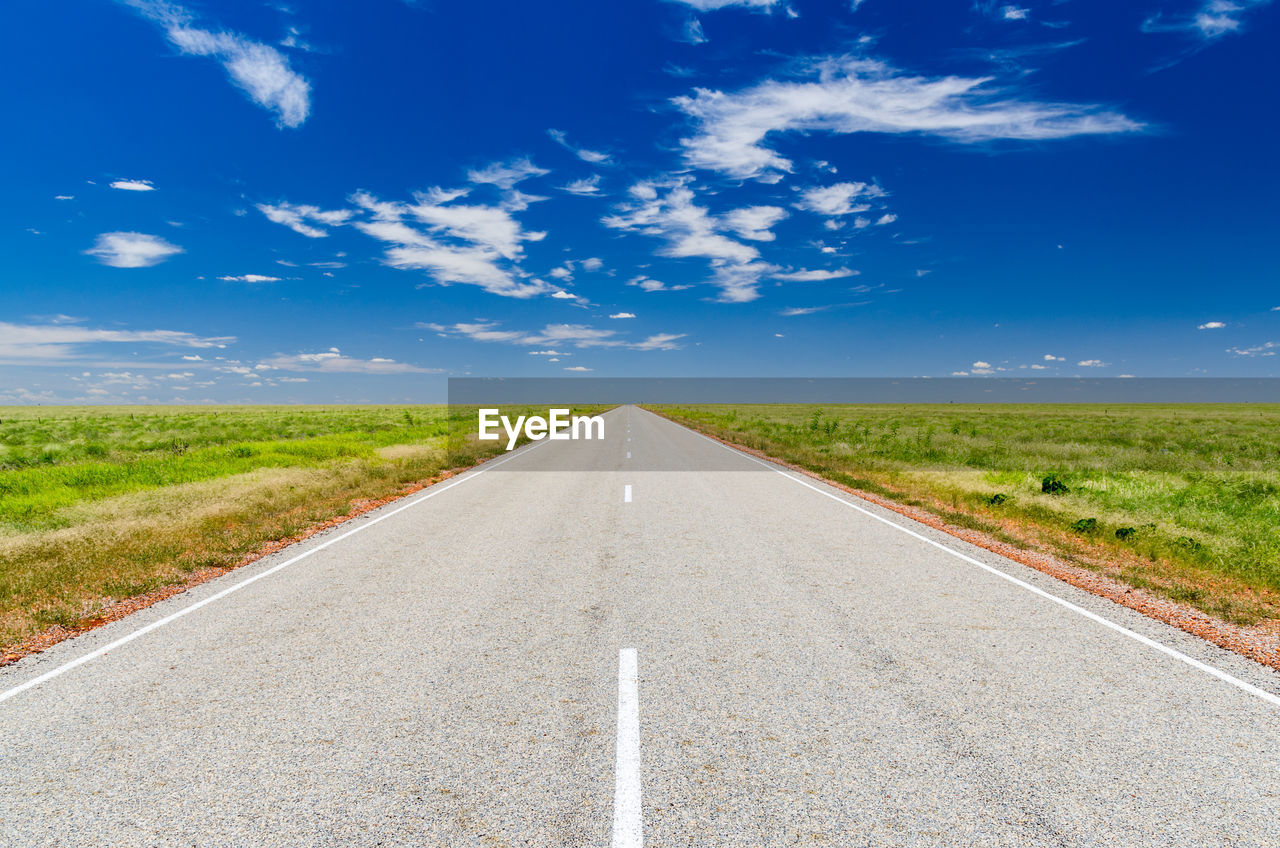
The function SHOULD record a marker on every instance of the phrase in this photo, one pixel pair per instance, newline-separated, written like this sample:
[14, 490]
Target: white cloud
[455, 243]
[584, 187]
[578, 368]
[64, 197]
[491, 227]
[564, 295]
[1013, 13]
[754, 222]
[595, 157]
[505, 175]
[1049, 357]
[849, 95]
[623, 315]
[887, 218]
[650, 285]
[251, 278]
[1091, 363]
[578, 335]
[1211, 325]
[692, 32]
[133, 185]
[29, 342]
[295, 217]
[593, 263]
[712, 5]
[132, 250]
[816, 275]
[1213, 19]
[259, 70]
[548, 353]
[838, 199]
[923, 272]
[1264, 349]
[332, 361]
[661, 341]
[667, 209]
[795, 311]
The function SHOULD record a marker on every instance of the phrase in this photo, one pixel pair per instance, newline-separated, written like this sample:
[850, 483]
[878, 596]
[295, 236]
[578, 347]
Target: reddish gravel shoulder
[1259, 643]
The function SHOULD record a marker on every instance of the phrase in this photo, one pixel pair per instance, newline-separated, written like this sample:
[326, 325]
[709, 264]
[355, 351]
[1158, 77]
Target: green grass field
[1181, 499]
[99, 504]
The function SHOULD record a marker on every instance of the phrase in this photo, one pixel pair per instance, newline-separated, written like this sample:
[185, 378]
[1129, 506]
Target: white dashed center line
[626, 493]
[627, 814]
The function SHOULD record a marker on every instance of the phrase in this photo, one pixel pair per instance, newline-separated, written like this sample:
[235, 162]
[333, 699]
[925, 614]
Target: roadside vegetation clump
[1183, 500]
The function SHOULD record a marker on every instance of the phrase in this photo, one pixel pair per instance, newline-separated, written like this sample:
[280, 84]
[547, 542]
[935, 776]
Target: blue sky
[340, 202]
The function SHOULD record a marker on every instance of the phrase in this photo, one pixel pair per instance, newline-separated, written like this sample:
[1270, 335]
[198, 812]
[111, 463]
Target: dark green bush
[1053, 485]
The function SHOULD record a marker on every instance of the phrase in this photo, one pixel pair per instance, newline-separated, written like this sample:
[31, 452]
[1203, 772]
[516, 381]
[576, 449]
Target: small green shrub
[997, 499]
[1053, 485]
[1123, 533]
[1085, 525]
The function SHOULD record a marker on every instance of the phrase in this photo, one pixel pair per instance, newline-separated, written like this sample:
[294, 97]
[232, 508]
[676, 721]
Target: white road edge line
[155, 625]
[628, 816]
[626, 493]
[1076, 608]
[628, 454]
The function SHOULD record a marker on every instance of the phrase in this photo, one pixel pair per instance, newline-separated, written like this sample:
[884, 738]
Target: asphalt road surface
[721, 654]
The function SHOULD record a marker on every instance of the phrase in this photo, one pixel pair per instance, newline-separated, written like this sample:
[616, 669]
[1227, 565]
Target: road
[808, 670]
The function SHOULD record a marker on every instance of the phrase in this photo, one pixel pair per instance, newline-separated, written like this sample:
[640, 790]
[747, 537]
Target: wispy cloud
[333, 361]
[32, 343]
[296, 217]
[585, 187]
[1092, 363]
[849, 95]
[838, 199]
[712, 5]
[595, 157]
[505, 175]
[816, 275]
[623, 315]
[1211, 325]
[650, 285]
[691, 32]
[473, 244]
[1210, 20]
[577, 335]
[261, 71]
[133, 185]
[250, 278]
[1264, 349]
[132, 250]
[667, 209]
[796, 311]
[754, 222]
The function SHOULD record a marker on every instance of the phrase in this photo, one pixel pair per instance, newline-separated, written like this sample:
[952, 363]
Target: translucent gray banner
[881, 424]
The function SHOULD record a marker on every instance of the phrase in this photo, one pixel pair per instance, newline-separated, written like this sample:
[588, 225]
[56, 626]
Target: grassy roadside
[98, 505]
[1182, 500]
